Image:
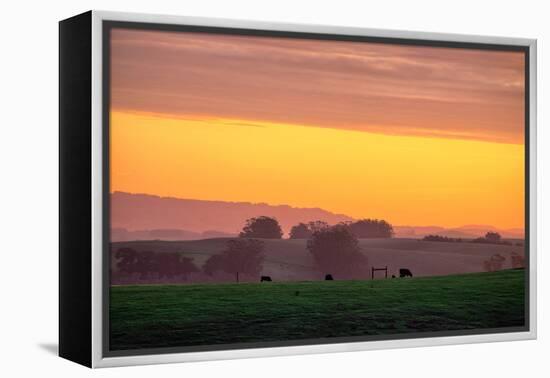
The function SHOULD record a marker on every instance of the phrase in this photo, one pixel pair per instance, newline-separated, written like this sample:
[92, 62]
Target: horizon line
[319, 208]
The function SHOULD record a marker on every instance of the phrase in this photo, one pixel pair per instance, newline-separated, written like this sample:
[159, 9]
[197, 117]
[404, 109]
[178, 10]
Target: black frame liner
[75, 189]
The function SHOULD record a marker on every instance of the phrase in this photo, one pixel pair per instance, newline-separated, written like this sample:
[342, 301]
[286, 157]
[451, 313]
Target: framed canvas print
[235, 189]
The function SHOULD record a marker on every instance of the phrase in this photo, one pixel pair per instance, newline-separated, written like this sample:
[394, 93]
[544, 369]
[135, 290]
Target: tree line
[264, 227]
[496, 262]
[335, 250]
[149, 264]
[489, 238]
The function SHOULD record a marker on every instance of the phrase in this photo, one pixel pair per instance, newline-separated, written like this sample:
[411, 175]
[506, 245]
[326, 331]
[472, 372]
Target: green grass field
[151, 316]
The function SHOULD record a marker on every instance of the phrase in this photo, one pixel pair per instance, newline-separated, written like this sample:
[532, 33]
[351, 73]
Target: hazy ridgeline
[149, 217]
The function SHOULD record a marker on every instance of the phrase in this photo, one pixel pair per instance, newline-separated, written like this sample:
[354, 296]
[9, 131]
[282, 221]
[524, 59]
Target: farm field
[153, 316]
[289, 260]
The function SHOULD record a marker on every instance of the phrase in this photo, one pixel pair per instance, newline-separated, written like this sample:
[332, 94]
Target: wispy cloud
[362, 86]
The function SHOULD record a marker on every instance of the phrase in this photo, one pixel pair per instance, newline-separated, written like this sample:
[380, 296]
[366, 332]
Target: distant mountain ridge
[135, 212]
[122, 234]
[147, 217]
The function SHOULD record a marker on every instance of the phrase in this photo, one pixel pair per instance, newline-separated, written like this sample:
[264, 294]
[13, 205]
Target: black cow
[265, 278]
[393, 276]
[404, 272]
[328, 277]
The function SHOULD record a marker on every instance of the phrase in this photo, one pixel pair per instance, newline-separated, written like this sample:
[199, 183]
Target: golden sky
[413, 135]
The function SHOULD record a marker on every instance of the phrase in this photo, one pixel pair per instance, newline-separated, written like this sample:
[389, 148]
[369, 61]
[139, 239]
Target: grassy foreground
[151, 316]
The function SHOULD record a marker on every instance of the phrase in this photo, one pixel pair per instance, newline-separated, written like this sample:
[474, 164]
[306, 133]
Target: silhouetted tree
[439, 238]
[166, 264]
[336, 251]
[492, 237]
[146, 264]
[371, 228]
[243, 256]
[497, 261]
[262, 228]
[213, 264]
[494, 263]
[173, 264]
[304, 231]
[317, 225]
[300, 231]
[185, 266]
[518, 261]
[127, 259]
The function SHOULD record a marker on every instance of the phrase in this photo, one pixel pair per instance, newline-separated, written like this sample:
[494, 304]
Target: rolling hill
[289, 260]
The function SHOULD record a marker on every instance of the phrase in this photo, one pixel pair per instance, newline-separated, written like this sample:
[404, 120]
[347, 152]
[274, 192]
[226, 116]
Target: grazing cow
[404, 272]
[328, 277]
[393, 276]
[265, 278]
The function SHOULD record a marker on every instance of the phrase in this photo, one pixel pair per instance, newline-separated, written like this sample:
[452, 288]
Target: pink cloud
[361, 86]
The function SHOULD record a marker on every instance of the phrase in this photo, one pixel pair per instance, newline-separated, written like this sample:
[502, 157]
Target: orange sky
[414, 135]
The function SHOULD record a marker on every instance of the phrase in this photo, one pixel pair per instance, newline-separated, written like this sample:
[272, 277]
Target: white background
[29, 216]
